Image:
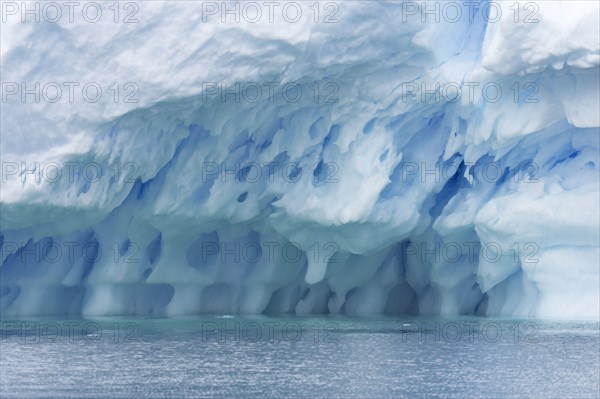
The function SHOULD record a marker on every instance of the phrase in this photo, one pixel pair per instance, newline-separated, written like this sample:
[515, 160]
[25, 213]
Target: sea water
[312, 357]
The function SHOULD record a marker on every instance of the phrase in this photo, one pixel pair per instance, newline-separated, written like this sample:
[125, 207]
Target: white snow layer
[378, 190]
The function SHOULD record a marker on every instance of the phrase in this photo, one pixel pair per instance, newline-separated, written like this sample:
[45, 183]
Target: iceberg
[353, 157]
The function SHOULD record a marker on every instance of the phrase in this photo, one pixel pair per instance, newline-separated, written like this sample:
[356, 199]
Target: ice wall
[399, 158]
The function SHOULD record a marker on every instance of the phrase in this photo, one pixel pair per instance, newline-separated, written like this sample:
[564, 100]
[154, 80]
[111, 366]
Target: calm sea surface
[299, 357]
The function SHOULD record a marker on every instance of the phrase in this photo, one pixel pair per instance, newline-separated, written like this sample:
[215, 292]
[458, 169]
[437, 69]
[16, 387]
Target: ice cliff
[356, 158]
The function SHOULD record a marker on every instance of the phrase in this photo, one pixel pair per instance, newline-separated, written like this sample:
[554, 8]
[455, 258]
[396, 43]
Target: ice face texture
[377, 190]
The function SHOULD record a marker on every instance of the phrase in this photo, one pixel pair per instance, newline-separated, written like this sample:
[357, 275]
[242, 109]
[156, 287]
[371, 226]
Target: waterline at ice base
[369, 158]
